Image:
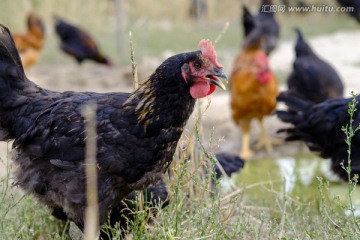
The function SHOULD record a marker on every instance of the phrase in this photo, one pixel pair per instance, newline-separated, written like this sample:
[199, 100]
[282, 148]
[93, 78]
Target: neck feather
[163, 101]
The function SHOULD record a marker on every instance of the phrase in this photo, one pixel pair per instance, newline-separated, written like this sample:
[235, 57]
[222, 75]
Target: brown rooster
[137, 133]
[30, 43]
[253, 90]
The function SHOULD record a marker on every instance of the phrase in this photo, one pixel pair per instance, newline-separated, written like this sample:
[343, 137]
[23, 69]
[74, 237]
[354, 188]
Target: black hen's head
[63, 29]
[168, 96]
[202, 70]
[195, 72]
[302, 47]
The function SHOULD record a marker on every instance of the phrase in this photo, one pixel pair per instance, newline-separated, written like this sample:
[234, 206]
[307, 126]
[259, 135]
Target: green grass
[257, 208]
[22, 217]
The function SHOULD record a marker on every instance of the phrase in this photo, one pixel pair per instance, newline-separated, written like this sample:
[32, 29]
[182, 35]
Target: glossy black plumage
[263, 25]
[137, 132]
[312, 78]
[319, 126]
[77, 43]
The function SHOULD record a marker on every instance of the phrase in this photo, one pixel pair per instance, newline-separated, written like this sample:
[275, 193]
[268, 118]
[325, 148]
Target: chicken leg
[245, 151]
[264, 140]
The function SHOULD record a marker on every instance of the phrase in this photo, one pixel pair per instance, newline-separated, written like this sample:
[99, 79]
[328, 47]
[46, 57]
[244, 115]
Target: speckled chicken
[253, 89]
[312, 78]
[137, 132]
[30, 43]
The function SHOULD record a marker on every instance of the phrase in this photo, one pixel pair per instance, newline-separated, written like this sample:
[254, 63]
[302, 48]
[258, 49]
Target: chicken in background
[30, 43]
[78, 44]
[355, 4]
[253, 89]
[137, 133]
[263, 25]
[312, 78]
[248, 21]
[319, 126]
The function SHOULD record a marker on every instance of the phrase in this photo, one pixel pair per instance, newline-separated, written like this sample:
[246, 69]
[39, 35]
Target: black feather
[312, 78]
[262, 28]
[319, 127]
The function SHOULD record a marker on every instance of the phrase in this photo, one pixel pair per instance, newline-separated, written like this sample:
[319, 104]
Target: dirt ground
[341, 49]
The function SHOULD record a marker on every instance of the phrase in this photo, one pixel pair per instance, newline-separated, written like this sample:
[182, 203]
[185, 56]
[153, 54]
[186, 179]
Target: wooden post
[91, 228]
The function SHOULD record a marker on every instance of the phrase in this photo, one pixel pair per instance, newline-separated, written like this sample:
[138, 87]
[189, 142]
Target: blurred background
[160, 25]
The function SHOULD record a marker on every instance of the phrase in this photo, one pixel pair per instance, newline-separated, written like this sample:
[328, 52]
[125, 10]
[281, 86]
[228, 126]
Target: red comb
[209, 52]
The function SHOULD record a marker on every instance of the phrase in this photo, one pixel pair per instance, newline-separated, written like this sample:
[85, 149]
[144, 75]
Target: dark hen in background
[312, 78]
[137, 132]
[355, 4]
[78, 44]
[263, 25]
[319, 126]
[248, 22]
[157, 195]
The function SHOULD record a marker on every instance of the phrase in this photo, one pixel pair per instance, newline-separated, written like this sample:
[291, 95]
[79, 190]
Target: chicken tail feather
[11, 69]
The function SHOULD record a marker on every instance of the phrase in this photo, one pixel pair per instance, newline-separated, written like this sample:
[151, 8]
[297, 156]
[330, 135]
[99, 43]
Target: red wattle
[264, 77]
[201, 89]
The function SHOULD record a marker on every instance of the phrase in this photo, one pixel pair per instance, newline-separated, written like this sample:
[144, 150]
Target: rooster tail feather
[296, 107]
[11, 69]
[294, 102]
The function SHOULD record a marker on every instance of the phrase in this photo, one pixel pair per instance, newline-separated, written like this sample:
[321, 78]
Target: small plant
[350, 131]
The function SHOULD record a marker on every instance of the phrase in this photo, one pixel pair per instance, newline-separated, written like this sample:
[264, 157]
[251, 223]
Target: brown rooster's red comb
[209, 52]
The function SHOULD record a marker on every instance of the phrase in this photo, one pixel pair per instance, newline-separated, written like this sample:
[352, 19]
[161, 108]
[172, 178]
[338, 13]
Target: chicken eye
[197, 65]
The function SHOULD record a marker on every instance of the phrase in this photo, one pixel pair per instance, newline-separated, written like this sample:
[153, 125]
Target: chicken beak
[217, 73]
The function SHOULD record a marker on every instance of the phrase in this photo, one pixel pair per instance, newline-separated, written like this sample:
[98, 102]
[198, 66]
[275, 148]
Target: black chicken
[312, 78]
[123, 214]
[247, 21]
[355, 5]
[78, 44]
[137, 132]
[263, 25]
[319, 126]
